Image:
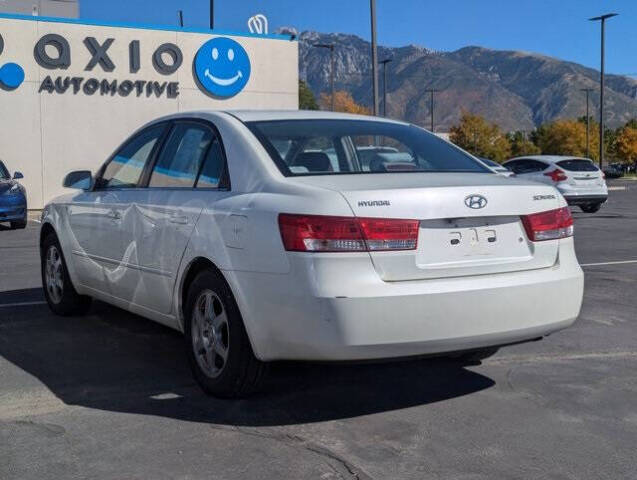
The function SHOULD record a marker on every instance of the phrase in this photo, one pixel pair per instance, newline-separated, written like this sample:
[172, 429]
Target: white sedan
[577, 179]
[261, 237]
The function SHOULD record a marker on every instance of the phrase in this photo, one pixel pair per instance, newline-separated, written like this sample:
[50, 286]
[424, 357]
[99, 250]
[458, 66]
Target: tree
[343, 102]
[520, 145]
[632, 123]
[626, 144]
[480, 138]
[567, 137]
[307, 101]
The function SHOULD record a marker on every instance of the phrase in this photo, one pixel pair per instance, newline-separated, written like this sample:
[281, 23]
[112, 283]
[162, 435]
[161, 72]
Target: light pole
[602, 19]
[329, 46]
[384, 63]
[212, 14]
[588, 119]
[431, 106]
[372, 7]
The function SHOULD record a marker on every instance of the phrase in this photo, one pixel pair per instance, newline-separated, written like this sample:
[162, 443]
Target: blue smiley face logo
[11, 76]
[222, 67]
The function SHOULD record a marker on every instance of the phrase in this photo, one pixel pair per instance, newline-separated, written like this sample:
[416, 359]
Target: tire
[19, 225]
[59, 292]
[591, 207]
[218, 347]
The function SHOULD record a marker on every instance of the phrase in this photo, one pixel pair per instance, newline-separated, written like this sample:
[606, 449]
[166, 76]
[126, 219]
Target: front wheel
[591, 207]
[219, 351]
[59, 292]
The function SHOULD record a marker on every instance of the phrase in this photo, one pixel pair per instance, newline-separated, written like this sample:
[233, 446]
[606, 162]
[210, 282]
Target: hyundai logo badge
[475, 201]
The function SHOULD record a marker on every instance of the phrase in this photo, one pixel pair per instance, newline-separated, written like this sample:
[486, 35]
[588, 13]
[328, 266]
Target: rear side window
[126, 167]
[577, 165]
[182, 156]
[331, 147]
[526, 166]
[213, 167]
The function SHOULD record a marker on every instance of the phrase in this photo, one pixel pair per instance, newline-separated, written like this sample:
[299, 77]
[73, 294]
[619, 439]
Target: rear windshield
[330, 147]
[4, 173]
[578, 165]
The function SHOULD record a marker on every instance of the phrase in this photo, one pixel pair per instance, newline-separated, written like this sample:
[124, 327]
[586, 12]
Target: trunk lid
[454, 239]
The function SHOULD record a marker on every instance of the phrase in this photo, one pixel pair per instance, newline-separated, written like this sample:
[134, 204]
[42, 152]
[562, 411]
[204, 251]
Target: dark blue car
[13, 199]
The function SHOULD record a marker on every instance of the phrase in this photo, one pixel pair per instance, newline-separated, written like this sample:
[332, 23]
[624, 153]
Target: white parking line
[621, 262]
[616, 189]
[21, 304]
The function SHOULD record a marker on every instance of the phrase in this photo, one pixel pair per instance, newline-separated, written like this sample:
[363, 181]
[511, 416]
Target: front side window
[330, 147]
[181, 158]
[126, 167]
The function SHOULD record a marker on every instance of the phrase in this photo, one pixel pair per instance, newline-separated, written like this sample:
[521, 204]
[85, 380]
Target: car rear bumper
[325, 311]
[585, 199]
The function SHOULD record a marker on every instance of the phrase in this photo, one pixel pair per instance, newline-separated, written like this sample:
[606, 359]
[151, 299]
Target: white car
[578, 179]
[237, 229]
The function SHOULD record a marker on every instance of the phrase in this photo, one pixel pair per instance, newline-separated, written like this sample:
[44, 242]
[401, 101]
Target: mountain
[517, 90]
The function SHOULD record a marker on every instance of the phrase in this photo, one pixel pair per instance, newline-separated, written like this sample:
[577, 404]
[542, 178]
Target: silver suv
[577, 179]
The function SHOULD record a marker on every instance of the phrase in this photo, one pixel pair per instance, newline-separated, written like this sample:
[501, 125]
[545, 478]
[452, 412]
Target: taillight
[319, 233]
[549, 225]
[557, 175]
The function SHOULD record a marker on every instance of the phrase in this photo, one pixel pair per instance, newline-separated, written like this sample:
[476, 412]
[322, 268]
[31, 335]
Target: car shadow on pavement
[116, 361]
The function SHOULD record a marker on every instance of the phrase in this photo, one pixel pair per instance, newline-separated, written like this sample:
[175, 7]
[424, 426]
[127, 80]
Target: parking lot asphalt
[109, 395]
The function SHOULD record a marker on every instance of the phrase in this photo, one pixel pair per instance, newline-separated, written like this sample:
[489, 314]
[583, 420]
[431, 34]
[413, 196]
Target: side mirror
[80, 180]
[18, 175]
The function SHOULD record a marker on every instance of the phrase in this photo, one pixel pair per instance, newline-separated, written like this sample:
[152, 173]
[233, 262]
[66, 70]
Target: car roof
[548, 158]
[269, 115]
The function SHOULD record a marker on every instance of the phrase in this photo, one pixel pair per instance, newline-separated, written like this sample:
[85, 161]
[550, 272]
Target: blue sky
[553, 27]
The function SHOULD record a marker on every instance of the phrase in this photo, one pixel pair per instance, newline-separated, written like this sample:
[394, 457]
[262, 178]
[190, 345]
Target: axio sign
[221, 68]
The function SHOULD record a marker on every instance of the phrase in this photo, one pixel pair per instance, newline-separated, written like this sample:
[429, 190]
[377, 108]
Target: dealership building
[72, 91]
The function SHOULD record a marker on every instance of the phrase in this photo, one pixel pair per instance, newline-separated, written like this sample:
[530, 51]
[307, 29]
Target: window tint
[576, 165]
[213, 167]
[125, 168]
[181, 158]
[513, 166]
[526, 166]
[535, 166]
[328, 147]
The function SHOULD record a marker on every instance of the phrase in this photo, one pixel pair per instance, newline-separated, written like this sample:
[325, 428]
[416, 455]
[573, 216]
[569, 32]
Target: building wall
[49, 8]
[45, 135]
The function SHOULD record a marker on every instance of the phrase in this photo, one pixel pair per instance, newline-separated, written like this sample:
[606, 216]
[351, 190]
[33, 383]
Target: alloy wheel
[210, 333]
[54, 274]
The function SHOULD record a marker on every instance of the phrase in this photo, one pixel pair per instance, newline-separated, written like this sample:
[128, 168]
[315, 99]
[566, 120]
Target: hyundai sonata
[263, 236]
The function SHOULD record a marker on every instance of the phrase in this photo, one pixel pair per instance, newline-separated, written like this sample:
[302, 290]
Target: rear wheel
[591, 207]
[59, 291]
[219, 351]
